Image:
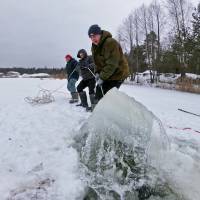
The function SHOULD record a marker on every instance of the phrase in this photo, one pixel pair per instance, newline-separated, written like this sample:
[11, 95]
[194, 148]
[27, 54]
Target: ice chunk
[121, 149]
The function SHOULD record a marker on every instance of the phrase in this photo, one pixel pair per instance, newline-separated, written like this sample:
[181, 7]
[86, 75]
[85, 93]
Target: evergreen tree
[195, 59]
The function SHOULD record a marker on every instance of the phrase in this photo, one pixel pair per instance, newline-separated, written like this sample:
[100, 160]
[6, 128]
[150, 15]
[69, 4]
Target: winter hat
[94, 29]
[68, 56]
[82, 51]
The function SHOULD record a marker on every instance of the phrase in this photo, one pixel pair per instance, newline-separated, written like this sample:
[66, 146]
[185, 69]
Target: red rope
[183, 129]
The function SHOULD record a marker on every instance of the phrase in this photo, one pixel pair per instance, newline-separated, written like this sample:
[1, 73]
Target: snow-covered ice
[33, 136]
[183, 161]
[35, 145]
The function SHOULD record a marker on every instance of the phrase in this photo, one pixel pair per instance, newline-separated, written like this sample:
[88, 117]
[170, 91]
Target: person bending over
[86, 65]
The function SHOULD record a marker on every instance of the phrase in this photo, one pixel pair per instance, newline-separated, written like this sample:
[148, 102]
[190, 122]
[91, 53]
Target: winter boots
[93, 103]
[83, 98]
[84, 102]
[74, 97]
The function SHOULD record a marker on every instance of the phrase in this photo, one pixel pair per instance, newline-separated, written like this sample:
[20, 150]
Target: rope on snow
[185, 111]
[183, 129]
[44, 96]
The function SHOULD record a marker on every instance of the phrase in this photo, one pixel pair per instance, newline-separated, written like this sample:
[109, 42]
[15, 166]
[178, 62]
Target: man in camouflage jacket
[111, 65]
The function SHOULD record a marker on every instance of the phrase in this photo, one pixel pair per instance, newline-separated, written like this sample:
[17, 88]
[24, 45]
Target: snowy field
[36, 156]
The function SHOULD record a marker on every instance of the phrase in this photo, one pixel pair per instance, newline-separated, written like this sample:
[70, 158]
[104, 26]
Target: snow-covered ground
[183, 130]
[168, 81]
[35, 141]
[36, 157]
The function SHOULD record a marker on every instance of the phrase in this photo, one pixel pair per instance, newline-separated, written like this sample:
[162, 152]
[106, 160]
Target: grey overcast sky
[38, 33]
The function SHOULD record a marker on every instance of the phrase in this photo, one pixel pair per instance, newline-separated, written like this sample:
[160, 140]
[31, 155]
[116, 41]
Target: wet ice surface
[122, 148]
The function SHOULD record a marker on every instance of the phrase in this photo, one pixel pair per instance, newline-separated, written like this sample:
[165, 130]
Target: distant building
[1, 75]
[39, 75]
[13, 74]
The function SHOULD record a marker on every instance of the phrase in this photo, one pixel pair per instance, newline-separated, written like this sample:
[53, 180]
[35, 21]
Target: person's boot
[93, 103]
[74, 97]
[83, 98]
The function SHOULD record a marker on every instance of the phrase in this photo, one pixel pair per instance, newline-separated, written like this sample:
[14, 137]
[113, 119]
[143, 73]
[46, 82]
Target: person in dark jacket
[72, 76]
[111, 65]
[86, 65]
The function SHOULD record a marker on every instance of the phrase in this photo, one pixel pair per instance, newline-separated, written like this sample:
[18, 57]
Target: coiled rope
[44, 96]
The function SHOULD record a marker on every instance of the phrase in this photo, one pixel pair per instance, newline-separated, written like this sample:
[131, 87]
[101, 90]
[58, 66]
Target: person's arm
[91, 63]
[78, 66]
[66, 68]
[75, 65]
[66, 71]
[112, 57]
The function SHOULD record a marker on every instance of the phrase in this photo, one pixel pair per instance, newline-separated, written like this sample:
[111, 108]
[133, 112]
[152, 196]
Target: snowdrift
[38, 75]
[121, 149]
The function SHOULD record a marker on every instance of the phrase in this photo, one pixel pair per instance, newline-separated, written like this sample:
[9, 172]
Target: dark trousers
[90, 83]
[106, 86]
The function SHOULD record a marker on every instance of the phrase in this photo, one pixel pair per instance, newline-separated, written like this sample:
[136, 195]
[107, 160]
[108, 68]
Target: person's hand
[77, 67]
[83, 67]
[97, 77]
[91, 65]
[99, 82]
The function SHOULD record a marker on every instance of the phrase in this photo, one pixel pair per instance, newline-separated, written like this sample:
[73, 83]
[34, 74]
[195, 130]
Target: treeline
[21, 70]
[162, 37]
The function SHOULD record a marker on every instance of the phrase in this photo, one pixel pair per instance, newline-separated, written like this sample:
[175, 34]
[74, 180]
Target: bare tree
[147, 23]
[151, 22]
[178, 12]
[136, 25]
[159, 18]
[126, 37]
[126, 33]
[157, 12]
[173, 9]
[144, 26]
[121, 38]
